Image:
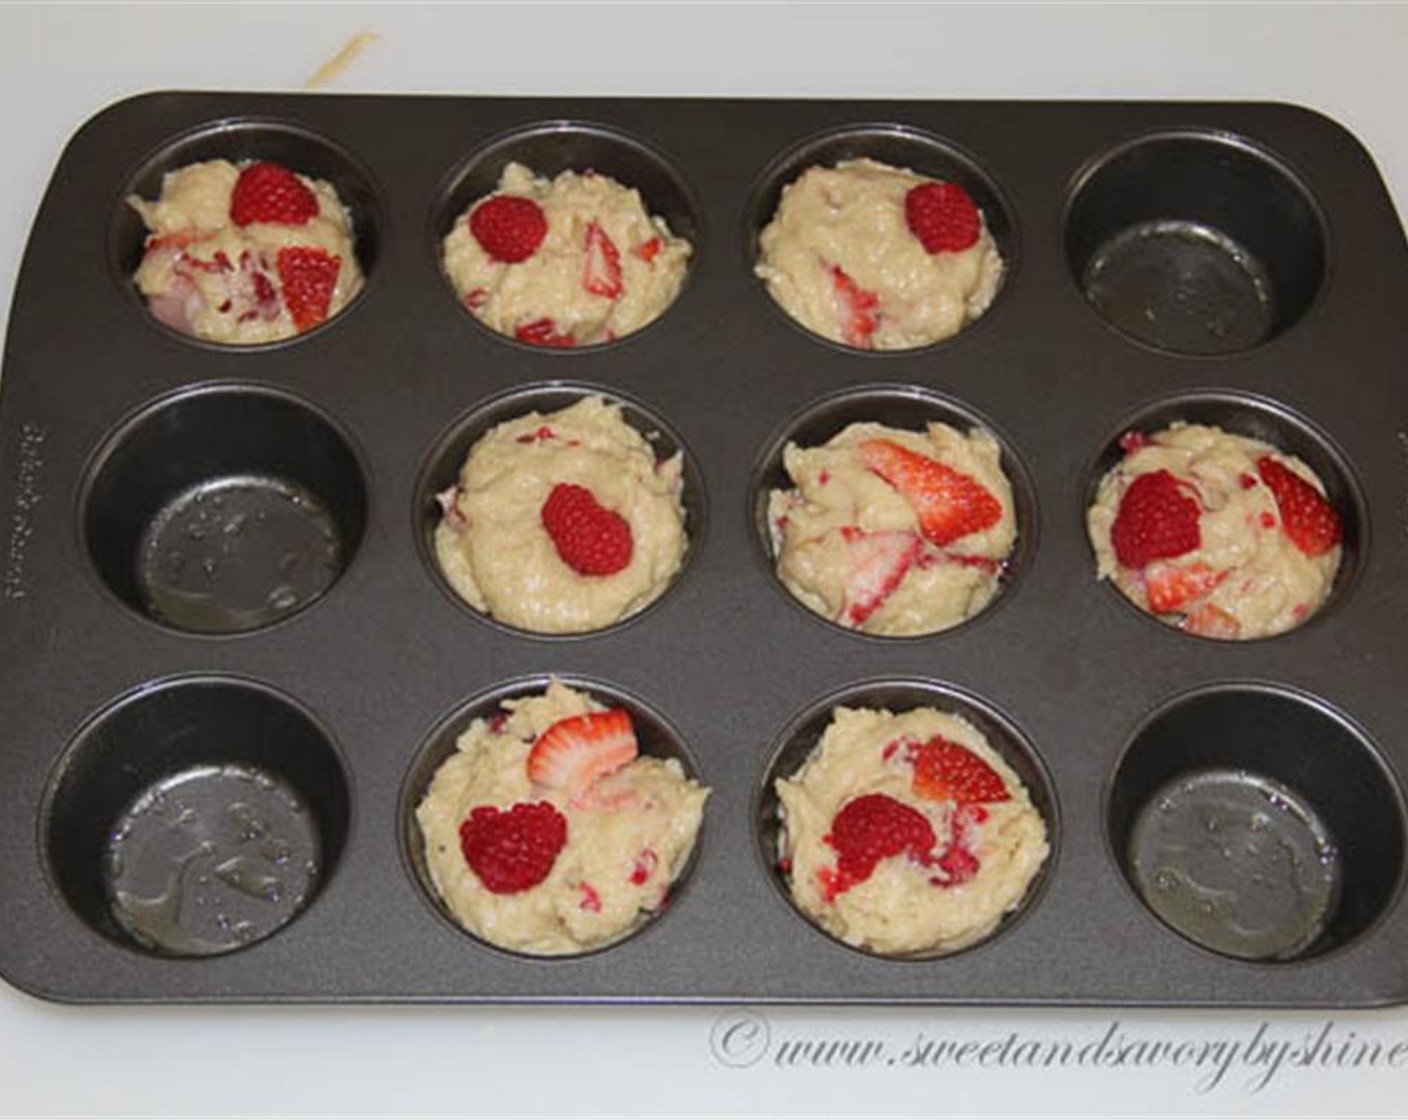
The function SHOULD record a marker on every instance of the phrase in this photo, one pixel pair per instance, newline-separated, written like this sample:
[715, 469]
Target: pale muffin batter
[1229, 564]
[972, 849]
[842, 258]
[597, 266]
[205, 274]
[496, 551]
[628, 835]
[851, 545]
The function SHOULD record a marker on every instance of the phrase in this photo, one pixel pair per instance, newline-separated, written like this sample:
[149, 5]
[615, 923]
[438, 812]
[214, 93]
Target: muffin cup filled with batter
[892, 511]
[552, 817]
[558, 511]
[907, 819]
[1224, 516]
[247, 234]
[880, 238]
[566, 236]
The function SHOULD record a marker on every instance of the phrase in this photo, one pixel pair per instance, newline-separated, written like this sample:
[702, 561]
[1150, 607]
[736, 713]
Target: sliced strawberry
[858, 310]
[1157, 520]
[602, 273]
[942, 216]
[647, 250]
[947, 771]
[308, 276]
[949, 503]
[1171, 587]
[1132, 441]
[1310, 521]
[509, 228]
[644, 866]
[543, 332]
[268, 192]
[1211, 621]
[877, 563]
[576, 752]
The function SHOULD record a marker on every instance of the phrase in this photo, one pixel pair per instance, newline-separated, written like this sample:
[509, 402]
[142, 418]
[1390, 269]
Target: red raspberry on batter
[509, 228]
[590, 539]
[869, 829]
[943, 217]
[514, 850]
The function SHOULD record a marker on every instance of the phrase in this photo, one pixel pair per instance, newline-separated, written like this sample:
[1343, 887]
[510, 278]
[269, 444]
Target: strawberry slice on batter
[878, 564]
[858, 310]
[1171, 587]
[948, 771]
[577, 752]
[949, 503]
[602, 273]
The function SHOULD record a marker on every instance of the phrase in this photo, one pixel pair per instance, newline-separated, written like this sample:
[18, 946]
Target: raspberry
[869, 829]
[515, 850]
[268, 192]
[590, 539]
[1157, 520]
[508, 228]
[942, 216]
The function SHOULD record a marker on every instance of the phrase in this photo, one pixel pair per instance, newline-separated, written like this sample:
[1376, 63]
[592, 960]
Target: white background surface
[58, 66]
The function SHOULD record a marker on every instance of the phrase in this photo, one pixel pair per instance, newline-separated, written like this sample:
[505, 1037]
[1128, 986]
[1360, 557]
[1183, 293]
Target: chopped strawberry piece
[515, 850]
[948, 503]
[948, 771]
[959, 863]
[644, 867]
[543, 332]
[268, 192]
[1131, 442]
[509, 228]
[537, 435]
[1157, 520]
[475, 298]
[602, 273]
[591, 900]
[1309, 519]
[858, 310]
[877, 563]
[1212, 621]
[647, 250]
[1171, 587]
[871, 828]
[590, 539]
[575, 753]
[942, 216]
[308, 276]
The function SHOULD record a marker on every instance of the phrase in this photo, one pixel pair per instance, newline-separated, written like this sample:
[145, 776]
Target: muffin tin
[1239, 263]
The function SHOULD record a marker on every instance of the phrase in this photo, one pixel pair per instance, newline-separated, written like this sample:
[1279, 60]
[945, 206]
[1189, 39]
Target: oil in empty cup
[210, 859]
[1182, 286]
[1237, 862]
[235, 553]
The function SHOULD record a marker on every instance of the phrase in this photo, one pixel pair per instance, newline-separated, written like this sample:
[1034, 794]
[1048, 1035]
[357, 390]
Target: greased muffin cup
[232, 662]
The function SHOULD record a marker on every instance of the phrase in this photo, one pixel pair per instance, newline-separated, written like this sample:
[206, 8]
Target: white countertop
[59, 66]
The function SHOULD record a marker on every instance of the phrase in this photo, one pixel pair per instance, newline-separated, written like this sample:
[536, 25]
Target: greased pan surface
[352, 700]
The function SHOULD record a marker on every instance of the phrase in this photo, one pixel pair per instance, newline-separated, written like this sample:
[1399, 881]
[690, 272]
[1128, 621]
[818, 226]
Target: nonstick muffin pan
[1239, 264]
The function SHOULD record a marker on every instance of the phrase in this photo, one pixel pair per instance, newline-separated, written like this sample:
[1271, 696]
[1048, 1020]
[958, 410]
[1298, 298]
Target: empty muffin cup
[223, 509]
[1258, 822]
[1195, 242]
[195, 816]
